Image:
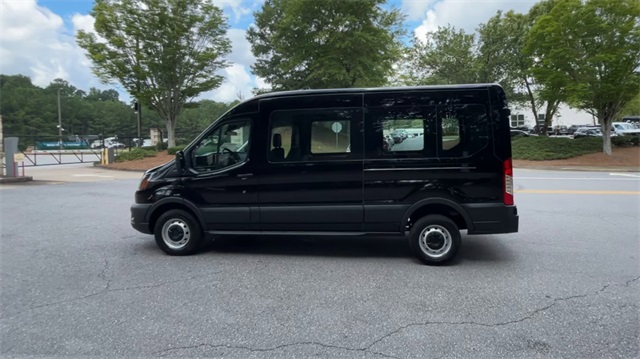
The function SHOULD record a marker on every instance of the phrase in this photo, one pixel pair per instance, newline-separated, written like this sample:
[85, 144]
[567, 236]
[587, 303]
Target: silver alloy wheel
[176, 233]
[435, 241]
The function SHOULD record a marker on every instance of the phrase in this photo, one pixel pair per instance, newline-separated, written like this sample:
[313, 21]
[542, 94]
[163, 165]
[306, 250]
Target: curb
[117, 169]
[15, 179]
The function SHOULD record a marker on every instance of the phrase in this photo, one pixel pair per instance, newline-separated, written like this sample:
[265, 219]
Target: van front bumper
[139, 219]
[492, 218]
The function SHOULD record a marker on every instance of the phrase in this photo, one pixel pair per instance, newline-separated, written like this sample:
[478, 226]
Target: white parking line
[625, 175]
[91, 175]
[577, 178]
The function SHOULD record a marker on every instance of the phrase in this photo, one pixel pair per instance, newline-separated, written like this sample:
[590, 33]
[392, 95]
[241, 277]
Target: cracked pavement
[76, 280]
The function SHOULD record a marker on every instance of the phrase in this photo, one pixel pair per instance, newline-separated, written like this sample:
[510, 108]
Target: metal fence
[40, 150]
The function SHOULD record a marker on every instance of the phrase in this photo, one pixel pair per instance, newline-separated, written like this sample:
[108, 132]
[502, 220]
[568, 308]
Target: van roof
[375, 89]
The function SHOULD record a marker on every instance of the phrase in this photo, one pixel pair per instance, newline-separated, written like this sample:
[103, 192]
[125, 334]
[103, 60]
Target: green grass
[540, 148]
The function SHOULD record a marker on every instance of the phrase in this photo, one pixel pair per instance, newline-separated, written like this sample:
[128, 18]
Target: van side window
[463, 130]
[281, 135]
[450, 133]
[400, 132]
[226, 145]
[330, 136]
[314, 135]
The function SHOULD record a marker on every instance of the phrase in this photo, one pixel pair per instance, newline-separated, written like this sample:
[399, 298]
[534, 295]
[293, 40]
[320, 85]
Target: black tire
[180, 223]
[444, 243]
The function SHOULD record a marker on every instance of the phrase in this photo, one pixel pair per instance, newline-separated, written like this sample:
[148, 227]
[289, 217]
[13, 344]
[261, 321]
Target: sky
[37, 38]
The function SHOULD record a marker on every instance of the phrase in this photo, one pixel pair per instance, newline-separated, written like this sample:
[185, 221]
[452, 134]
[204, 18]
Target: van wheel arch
[165, 206]
[437, 206]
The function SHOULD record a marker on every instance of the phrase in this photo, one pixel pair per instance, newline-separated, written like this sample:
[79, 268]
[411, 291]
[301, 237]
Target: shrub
[181, 141]
[626, 140]
[134, 154]
[173, 150]
[541, 148]
[161, 146]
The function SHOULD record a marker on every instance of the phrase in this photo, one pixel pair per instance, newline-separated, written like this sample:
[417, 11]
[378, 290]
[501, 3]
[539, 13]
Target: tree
[100, 95]
[632, 108]
[502, 57]
[163, 52]
[446, 56]
[591, 49]
[325, 44]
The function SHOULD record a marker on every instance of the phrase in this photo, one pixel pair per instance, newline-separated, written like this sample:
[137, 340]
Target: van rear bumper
[139, 217]
[492, 218]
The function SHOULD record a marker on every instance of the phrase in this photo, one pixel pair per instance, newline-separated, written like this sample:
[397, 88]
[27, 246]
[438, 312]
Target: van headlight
[144, 182]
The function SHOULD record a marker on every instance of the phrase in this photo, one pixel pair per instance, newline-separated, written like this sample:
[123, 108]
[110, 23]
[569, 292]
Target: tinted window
[450, 132]
[314, 135]
[332, 136]
[463, 130]
[400, 131]
[224, 146]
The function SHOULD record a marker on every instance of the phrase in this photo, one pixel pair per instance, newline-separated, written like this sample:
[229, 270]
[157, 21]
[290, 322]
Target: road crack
[263, 350]
[107, 289]
[529, 316]
[368, 348]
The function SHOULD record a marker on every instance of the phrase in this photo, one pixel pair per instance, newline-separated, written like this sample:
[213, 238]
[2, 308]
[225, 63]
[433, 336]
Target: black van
[313, 162]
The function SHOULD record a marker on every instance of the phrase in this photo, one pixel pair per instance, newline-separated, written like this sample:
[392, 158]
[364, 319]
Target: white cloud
[415, 9]
[236, 7]
[237, 81]
[466, 15]
[36, 43]
[241, 49]
[83, 22]
[428, 25]
[262, 84]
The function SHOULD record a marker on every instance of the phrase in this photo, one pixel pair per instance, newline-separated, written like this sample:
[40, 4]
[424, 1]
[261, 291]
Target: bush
[181, 141]
[173, 150]
[161, 146]
[541, 148]
[626, 140]
[134, 154]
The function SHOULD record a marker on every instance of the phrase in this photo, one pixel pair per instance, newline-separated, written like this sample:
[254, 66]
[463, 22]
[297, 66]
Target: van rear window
[400, 131]
[463, 130]
[426, 131]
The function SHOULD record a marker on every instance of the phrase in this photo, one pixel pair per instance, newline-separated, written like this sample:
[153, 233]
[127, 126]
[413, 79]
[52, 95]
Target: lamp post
[59, 121]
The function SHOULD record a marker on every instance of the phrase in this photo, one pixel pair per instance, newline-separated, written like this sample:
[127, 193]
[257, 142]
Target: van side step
[300, 233]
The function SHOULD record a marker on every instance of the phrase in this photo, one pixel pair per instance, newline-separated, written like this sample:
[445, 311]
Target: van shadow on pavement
[474, 248]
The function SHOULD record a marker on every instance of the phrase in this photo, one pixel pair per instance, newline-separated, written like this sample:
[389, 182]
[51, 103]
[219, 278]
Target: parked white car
[624, 128]
[114, 144]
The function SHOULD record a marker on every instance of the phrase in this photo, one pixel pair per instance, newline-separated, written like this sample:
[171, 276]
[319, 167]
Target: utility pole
[138, 104]
[59, 120]
[138, 108]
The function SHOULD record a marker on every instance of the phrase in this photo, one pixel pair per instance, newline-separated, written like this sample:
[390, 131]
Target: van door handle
[245, 175]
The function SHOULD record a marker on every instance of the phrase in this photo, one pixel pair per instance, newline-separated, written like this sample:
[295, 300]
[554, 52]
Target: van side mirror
[180, 162]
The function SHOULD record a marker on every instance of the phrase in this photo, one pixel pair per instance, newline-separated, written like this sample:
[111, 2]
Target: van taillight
[508, 182]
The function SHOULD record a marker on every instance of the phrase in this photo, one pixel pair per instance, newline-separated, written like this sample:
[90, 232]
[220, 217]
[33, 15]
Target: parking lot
[77, 280]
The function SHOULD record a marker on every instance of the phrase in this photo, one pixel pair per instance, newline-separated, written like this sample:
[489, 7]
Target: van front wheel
[177, 233]
[434, 239]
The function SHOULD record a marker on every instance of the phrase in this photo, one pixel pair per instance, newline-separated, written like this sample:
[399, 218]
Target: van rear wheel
[435, 239]
[178, 233]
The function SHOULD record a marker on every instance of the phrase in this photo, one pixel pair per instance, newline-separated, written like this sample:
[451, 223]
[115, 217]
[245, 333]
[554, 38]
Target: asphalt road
[77, 280]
